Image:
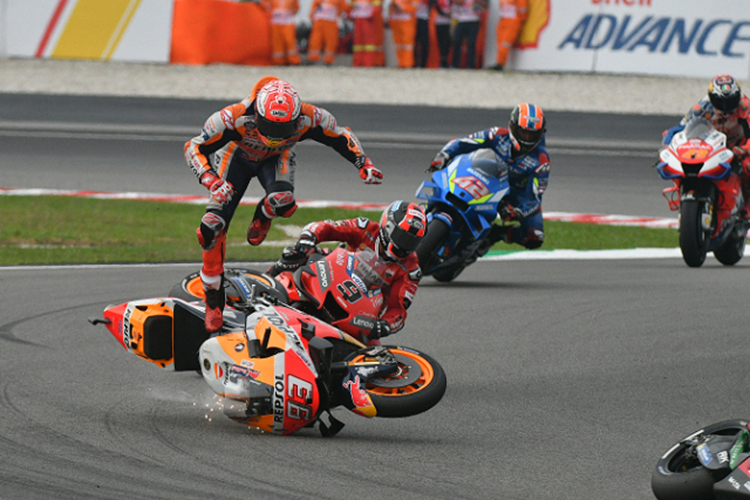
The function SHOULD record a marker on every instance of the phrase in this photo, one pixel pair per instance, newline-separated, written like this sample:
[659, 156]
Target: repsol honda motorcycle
[462, 201]
[712, 463]
[707, 192]
[280, 368]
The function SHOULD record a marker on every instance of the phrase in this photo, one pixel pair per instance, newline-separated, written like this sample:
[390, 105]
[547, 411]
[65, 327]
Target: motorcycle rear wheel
[680, 476]
[418, 386]
[731, 251]
[694, 240]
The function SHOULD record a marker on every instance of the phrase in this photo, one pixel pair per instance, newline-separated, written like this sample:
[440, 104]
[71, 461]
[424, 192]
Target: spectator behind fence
[466, 20]
[325, 15]
[284, 49]
[369, 33]
[403, 23]
[512, 16]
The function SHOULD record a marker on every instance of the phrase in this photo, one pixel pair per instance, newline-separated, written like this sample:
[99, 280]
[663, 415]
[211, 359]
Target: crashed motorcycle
[339, 287]
[707, 192]
[462, 201]
[712, 463]
[279, 368]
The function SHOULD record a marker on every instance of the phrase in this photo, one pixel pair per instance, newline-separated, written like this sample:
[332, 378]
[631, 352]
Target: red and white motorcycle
[707, 192]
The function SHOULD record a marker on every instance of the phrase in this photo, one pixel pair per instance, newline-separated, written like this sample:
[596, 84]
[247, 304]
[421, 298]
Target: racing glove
[221, 191]
[291, 259]
[440, 161]
[510, 213]
[380, 330]
[306, 243]
[368, 172]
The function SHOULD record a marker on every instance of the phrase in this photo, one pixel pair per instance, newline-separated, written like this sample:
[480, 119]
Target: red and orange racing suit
[401, 277]
[229, 146]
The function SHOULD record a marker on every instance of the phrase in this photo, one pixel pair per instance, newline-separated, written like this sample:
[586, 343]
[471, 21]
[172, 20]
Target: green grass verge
[63, 230]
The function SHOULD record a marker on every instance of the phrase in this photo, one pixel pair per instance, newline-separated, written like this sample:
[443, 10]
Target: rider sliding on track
[255, 138]
[521, 147]
[728, 110]
[401, 229]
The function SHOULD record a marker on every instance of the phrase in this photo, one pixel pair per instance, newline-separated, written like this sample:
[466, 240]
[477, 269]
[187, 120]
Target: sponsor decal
[735, 484]
[722, 457]
[704, 455]
[239, 347]
[537, 19]
[363, 322]
[544, 168]
[278, 401]
[705, 37]
[227, 119]
[126, 326]
[323, 274]
[360, 398]
[362, 222]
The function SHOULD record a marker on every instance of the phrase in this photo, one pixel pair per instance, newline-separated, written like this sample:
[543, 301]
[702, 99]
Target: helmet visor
[525, 136]
[403, 242]
[277, 131]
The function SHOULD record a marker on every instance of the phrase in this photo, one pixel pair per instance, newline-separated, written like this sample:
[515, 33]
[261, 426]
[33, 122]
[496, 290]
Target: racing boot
[497, 233]
[215, 301]
[258, 231]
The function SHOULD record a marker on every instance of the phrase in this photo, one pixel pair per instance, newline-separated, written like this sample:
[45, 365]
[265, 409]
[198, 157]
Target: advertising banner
[695, 38]
[118, 30]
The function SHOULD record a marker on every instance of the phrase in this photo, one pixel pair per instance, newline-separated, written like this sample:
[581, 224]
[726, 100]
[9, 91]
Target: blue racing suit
[528, 175]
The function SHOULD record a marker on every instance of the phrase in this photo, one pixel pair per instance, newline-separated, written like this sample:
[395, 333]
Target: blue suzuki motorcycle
[462, 201]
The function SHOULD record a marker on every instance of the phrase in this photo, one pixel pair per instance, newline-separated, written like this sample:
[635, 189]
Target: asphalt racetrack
[566, 378]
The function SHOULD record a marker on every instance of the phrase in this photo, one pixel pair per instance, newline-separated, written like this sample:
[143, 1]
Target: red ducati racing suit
[401, 277]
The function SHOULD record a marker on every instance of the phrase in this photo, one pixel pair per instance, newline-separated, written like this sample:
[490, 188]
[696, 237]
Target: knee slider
[534, 239]
[211, 227]
[281, 203]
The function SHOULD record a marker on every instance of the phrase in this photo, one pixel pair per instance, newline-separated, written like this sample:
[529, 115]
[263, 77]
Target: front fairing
[269, 368]
[698, 151]
[347, 288]
[473, 184]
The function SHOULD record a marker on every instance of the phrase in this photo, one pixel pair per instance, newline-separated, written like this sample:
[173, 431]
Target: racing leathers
[401, 277]
[229, 152]
[735, 125]
[528, 176]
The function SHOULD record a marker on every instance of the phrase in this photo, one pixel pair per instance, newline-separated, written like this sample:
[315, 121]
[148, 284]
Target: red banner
[217, 31]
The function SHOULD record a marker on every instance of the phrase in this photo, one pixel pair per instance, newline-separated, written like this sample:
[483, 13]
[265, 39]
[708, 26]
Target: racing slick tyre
[418, 385]
[237, 284]
[437, 231]
[694, 240]
[731, 251]
[679, 474]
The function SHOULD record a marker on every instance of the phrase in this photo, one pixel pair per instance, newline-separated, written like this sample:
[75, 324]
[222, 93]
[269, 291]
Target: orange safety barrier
[217, 31]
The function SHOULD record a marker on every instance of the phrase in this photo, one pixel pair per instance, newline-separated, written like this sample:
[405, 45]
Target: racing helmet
[277, 112]
[527, 127]
[402, 227]
[724, 93]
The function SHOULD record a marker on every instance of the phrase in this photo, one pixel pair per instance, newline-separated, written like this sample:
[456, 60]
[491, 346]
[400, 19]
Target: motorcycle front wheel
[694, 240]
[437, 231]
[417, 386]
[679, 474]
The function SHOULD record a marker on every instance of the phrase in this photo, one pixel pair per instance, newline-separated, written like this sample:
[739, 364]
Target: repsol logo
[706, 37]
[278, 399]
